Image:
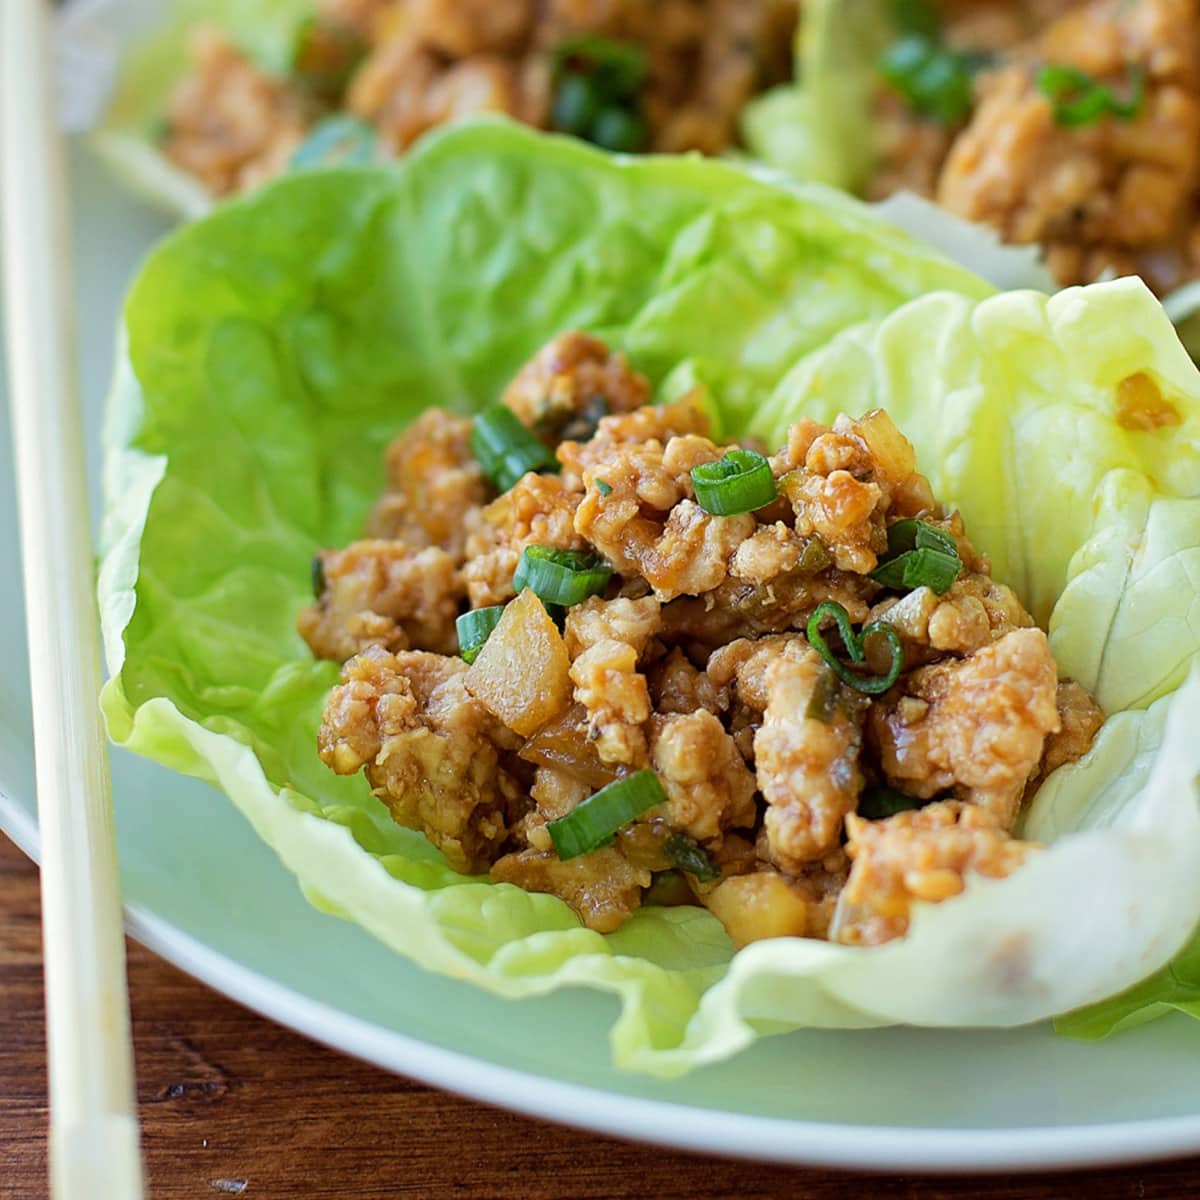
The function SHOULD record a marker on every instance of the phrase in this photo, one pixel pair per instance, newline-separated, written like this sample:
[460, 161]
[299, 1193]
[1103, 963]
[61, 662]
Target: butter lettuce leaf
[270, 352]
[819, 127]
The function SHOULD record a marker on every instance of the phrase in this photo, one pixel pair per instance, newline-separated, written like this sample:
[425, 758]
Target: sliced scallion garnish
[474, 628]
[505, 449]
[582, 425]
[616, 69]
[597, 82]
[589, 825]
[935, 80]
[605, 489]
[575, 105]
[561, 576]
[875, 804]
[685, 854]
[913, 534]
[919, 555]
[919, 568]
[1080, 99]
[738, 482]
[871, 685]
[620, 129]
[318, 576]
[336, 141]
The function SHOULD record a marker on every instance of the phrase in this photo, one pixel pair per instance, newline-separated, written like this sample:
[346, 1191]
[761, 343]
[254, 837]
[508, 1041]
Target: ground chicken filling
[629, 75]
[1072, 125]
[657, 669]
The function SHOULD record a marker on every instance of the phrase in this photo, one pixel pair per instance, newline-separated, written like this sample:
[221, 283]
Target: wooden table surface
[233, 1105]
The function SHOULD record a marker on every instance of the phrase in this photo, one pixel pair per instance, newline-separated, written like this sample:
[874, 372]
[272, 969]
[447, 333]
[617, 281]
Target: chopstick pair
[93, 1128]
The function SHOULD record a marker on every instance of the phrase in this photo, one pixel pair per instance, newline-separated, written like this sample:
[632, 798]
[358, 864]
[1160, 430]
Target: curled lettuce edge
[1006, 952]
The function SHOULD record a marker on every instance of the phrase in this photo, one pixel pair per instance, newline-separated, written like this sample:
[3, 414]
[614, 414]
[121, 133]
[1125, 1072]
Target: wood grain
[232, 1105]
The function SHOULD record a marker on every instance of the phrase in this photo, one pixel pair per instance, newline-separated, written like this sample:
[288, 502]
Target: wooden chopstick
[93, 1128]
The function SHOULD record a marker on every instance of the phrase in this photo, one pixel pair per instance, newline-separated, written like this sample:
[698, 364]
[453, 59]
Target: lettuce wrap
[119, 62]
[121, 59]
[270, 351]
[822, 128]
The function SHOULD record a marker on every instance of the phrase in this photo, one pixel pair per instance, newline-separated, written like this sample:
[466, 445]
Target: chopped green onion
[877, 803]
[594, 821]
[618, 129]
[605, 489]
[325, 54]
[582, 426]
[617, 69]
[561, 576]
[576, 105]
[912, 534]
[597, 82]
[683, 853]
[505, 449]
[870, 685]
[919, 568]
[919, 555]
[739, 482]
[1079, 99]
[935, 80]
[318, 576]
[336, 141]
[474, 628]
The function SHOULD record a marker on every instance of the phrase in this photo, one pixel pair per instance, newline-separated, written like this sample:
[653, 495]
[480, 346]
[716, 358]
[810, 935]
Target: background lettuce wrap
[270, 352]
[125, 58]
[823, 128]
[121, 60]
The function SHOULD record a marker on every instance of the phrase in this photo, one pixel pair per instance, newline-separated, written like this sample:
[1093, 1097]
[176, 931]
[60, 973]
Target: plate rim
[708, 1131]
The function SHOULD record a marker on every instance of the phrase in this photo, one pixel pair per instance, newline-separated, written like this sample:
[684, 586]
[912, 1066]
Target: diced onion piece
[738, 482]
[522, 673]
[474, 628]
[893, 452]
[590, 824]
[561, 576]
[753, 907]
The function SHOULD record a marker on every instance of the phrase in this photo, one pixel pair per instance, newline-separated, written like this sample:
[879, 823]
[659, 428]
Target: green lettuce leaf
[288, 336]
[819, 128]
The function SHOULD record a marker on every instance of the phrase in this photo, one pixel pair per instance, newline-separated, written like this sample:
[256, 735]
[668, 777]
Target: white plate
[886, 1099]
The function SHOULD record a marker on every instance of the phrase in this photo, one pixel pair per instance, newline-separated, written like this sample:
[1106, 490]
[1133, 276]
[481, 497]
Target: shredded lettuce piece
[289, 335]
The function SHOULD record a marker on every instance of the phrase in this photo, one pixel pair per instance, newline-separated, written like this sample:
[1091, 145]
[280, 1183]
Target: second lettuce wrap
[289, 336]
